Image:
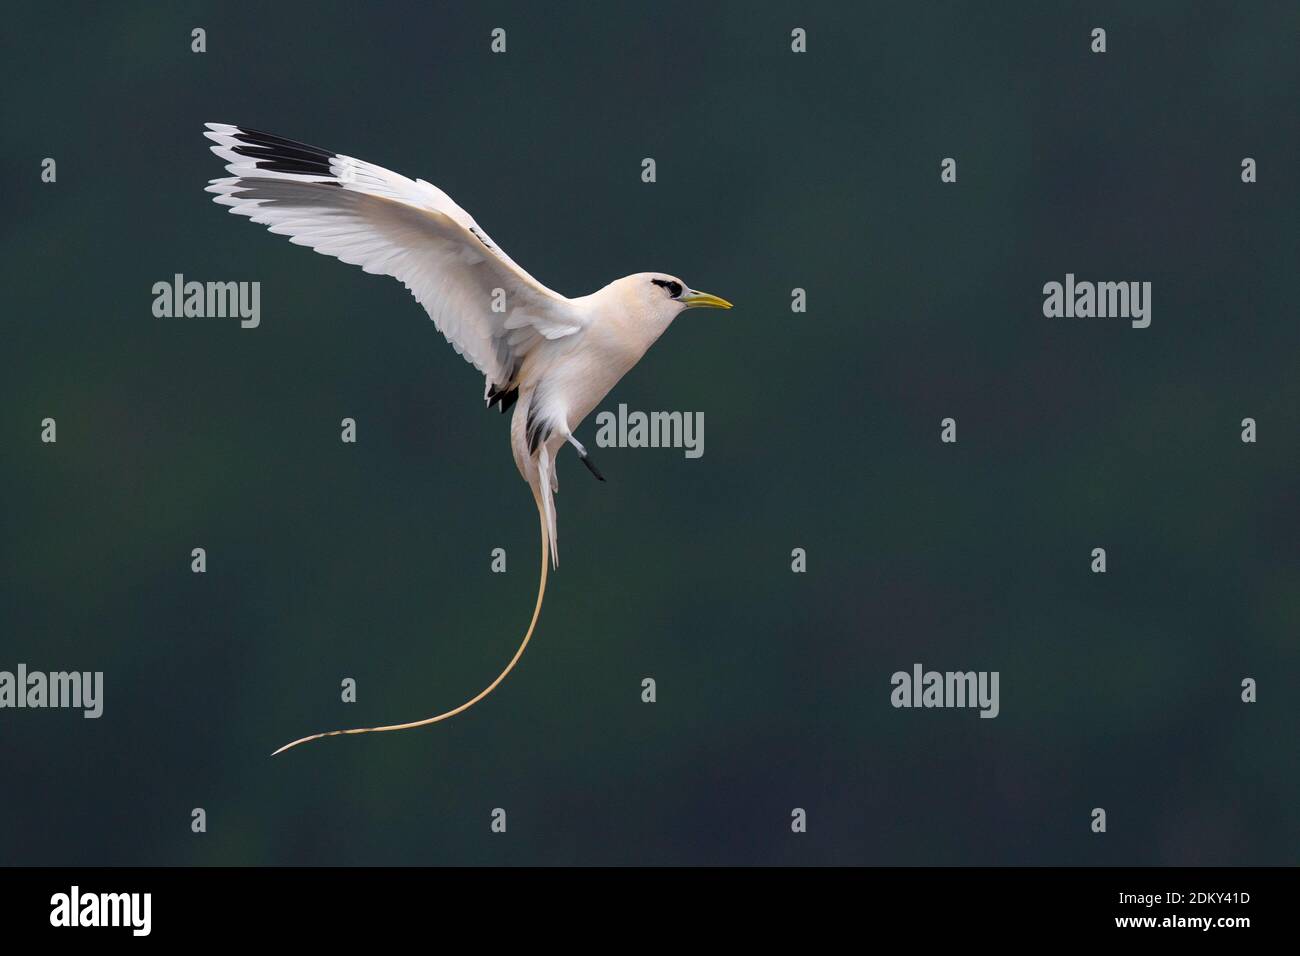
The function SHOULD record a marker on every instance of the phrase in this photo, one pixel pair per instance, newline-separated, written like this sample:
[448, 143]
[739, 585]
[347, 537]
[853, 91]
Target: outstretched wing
[490, 310]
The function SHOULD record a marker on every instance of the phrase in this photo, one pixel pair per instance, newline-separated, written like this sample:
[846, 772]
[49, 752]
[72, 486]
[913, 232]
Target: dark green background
[822, 431]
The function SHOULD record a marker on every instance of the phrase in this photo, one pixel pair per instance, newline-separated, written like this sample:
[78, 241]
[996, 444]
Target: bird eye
[674, 288]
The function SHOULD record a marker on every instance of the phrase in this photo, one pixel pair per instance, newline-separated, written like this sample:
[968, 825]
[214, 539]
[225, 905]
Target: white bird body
[554, 357]
[563, 380]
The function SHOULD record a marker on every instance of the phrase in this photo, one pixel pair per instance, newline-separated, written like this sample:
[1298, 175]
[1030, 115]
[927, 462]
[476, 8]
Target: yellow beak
[702, 300]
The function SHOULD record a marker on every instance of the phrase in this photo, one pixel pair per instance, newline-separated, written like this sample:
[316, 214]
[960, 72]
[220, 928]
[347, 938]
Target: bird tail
[543, 491]
[547, 544]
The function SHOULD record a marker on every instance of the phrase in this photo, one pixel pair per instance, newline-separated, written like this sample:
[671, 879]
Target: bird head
[659, 298]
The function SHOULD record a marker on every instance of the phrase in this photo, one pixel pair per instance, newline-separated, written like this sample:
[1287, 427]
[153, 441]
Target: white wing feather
[387, 224]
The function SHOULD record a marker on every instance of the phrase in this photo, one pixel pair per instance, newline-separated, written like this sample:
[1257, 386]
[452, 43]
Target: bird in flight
[550, 357]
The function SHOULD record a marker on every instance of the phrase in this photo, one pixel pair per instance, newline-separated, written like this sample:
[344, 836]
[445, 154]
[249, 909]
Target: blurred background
[775, 171]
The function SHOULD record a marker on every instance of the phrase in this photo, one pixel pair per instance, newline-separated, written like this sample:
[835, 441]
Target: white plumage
[556, 357]
[390, 225]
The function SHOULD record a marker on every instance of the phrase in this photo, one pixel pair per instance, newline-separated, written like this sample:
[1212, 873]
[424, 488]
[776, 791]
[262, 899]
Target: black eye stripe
[674, 288]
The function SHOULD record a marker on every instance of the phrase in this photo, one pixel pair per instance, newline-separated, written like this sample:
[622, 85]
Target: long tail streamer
[541, 592]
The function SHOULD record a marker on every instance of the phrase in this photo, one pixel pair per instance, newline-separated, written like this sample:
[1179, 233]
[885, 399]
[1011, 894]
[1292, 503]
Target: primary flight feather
[550, 357]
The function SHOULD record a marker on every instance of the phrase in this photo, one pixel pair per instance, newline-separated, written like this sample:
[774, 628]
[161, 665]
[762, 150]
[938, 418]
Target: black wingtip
[277, 154]
[502, 398]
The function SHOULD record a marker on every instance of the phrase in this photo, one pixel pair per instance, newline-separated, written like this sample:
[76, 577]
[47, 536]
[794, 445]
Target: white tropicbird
[556, 357]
